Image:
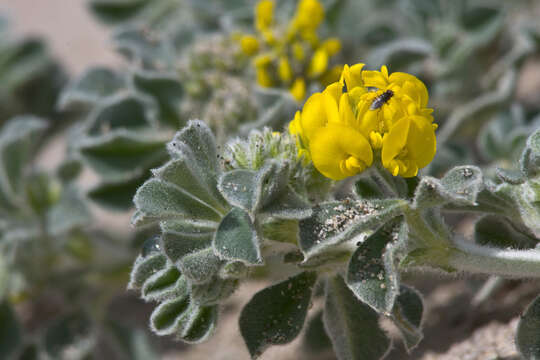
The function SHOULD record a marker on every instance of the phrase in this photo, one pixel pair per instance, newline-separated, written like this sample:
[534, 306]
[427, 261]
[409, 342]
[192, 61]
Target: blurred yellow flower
[264, 15]
[367, 114]
[293, 57]
[249, 44]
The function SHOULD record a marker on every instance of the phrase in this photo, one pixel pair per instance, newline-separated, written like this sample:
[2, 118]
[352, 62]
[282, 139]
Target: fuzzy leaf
[120, 153]
[352, 326]
[372, 275]
[165, 284]
[530, 159]
[132, 343]
[400, 53]
[68, 213]
[289, 205]
[276, 314]
[114, 11]
[92, 86]
[336, 222]
[367, 188]
[188, 176]
[139, 43]
[460, 185]
[527, 336]
[179, 239]
[10, 331]
[121, 111]
[200, 267]
[236, 238]
[315, 337]
[162, 199]
[170, 315]
[166, 91]
[214, 292]
[407, 315]
[17, 142]
[202, 323]
[116, 195]
[144, 267]
[196, 142]
[500, 232]
[239, 188]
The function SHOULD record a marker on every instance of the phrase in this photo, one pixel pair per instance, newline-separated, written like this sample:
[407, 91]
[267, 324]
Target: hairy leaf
[276, 315]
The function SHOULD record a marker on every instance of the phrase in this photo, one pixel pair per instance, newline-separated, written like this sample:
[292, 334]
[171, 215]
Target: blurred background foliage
[62, 275]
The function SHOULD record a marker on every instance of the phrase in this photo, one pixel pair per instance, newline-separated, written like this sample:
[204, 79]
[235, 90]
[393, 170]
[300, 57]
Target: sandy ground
[74, 37]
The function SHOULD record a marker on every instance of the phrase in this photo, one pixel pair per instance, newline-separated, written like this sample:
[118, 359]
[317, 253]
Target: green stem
[477, 259]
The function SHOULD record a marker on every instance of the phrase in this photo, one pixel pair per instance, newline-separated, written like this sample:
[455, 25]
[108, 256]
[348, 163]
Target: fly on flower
[367, 116]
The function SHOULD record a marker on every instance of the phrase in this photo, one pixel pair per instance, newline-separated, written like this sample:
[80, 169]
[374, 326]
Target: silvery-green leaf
[68, 213]
[289, 205]
[200, 267]
[352, 326]
[114, 11]
[315, 337]
[399, 53]
[92, 86]
[169, 317]
[213, 292]
[179, 239]
[461, 185]
[528, 331]
[17, 142]
[197, 142]
[120, 111]
[500, 232]
[239, 187]
[407, 315]
[69, 169]
[530, 159]
[139, 43]
[166, 90]
[144, 267]
[200, 325]
[236, 238]
[162, 199]
[119, 153]
[10, 330]
[188, 176]
[117, 195]
[372, 274]
[167, 283]
[337, 222]
[132, 343]
[276, 314]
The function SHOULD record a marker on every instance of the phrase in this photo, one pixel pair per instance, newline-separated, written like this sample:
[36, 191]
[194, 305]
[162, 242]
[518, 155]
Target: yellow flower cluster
[367, 115]
[291, 56]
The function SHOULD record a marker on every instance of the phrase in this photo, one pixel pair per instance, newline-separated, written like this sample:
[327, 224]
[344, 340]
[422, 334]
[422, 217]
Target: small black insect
[380, 100]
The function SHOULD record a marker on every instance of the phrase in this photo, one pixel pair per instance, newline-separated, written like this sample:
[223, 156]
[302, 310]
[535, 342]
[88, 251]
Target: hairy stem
[473, 258]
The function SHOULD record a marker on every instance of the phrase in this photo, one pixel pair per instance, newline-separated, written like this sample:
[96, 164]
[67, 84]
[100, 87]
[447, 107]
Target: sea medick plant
[340, 203]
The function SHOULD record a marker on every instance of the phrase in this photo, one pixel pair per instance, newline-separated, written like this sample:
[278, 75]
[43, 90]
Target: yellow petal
[334, 90]
[331, 46]
[331, 75]
[339, 151]
[330, 107]
[421, 142]
[264, 78]
[249, 45]
[264, 14]
[394, 141]
[346, 115]
[313, 115]
[298, 89]
[319, 63]
[352, 76]
[411, 86]
[284, 69]
[375, 79]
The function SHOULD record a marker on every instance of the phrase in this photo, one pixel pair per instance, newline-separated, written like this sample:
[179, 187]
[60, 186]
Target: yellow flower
[367, 113]
[249, 45]
[339, 151]
[264, 15]
[319, 63]
[332, 46]
[284, 69]
[410, 145]
[298, 89]
[309, 15]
